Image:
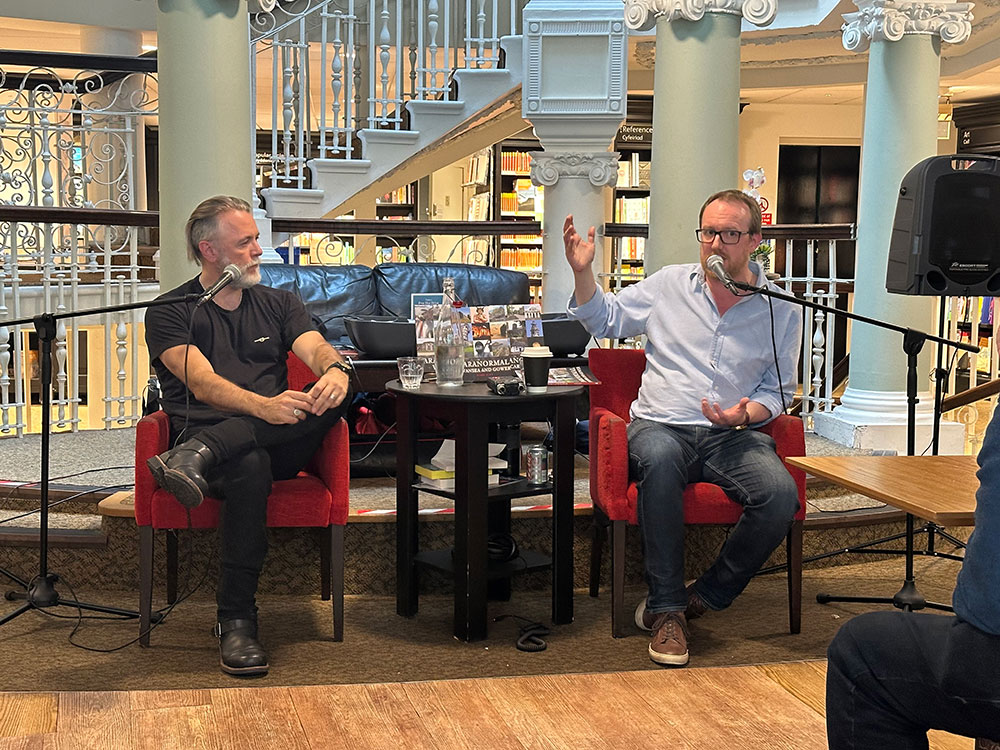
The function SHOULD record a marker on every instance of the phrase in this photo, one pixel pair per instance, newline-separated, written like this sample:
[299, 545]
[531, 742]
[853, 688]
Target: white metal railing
[99, 362]
[343, 66]
[71, 140]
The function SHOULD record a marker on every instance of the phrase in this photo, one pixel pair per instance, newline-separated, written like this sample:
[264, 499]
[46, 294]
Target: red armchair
[614, 495]
[317, 497]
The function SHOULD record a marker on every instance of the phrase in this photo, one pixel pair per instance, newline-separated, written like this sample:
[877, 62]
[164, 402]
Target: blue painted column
[900, 130]
[696, 107]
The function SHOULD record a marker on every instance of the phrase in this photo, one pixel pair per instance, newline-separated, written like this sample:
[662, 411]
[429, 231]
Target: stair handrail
[408, 51]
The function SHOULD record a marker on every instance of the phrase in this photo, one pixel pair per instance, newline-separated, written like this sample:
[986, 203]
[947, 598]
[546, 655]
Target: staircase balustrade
[362, 61]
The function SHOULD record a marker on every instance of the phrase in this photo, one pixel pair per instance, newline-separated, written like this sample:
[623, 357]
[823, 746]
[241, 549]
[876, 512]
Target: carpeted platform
[104, 460]
[380, 646]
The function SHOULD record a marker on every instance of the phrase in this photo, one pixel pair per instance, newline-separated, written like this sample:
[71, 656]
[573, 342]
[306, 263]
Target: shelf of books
[397, 205]
[631, 206]
[519, 199]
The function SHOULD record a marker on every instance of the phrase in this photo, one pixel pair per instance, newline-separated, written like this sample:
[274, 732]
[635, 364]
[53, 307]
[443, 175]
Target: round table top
[479, 392]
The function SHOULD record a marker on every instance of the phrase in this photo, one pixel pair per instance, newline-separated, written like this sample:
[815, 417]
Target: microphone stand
[40, 591]
[908, 597]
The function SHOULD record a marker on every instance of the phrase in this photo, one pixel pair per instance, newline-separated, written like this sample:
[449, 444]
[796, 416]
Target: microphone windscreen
[234, 271]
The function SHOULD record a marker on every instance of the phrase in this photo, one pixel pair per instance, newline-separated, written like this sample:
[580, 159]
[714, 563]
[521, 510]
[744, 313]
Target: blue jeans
[663, 459]
[893, 675]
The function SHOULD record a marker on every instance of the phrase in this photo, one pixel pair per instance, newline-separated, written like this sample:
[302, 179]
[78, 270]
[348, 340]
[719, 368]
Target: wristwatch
[342, 366]
[742, 426]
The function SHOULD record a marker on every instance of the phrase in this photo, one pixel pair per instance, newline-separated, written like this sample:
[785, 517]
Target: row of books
[400, 195]
[632, 210]
[631, 248]
[445, 480]
[515, 162]
[479, 168]
[521, 258]
[633, 173]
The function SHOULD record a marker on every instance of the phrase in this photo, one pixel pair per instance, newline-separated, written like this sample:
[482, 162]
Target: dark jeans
[663, 460]
[894, 675]
[251, 454]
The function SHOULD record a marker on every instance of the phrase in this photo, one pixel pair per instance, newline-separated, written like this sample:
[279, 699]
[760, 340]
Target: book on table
[448, 482]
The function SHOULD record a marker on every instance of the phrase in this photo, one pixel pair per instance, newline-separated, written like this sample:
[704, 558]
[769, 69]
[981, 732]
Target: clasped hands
[290, 406]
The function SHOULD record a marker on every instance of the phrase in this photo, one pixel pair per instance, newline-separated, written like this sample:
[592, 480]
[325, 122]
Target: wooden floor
[771, 706]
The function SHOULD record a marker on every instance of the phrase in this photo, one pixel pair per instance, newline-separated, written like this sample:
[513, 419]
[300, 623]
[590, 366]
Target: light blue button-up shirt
[691, 351]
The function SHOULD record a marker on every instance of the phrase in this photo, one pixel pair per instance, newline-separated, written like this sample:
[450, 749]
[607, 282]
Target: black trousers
[251, 454]
[893, 675]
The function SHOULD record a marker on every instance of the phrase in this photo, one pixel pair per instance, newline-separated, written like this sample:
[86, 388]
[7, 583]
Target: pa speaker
[946, 232]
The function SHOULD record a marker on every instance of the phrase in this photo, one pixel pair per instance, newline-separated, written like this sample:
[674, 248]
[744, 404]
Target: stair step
[17, 536]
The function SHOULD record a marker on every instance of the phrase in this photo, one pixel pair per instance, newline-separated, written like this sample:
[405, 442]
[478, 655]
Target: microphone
[716, 266]
[230, 274]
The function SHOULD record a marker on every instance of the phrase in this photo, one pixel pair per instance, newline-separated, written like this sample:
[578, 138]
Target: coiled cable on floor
[529, 637]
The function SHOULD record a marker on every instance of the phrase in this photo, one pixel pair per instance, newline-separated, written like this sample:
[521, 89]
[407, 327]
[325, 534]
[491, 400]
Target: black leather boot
[240, 653]
[181, 471]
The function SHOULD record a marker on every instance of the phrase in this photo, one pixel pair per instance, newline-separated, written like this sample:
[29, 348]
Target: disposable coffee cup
[536, 360]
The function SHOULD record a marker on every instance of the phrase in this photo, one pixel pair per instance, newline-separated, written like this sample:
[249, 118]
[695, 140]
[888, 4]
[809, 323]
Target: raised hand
[731, 417]
[579, 252]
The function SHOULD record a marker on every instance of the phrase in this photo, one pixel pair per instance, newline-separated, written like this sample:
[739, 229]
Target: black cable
[67, 499]
[155, 623]
[380, 439]
[529, 636]
[24, 485]
[774, 352]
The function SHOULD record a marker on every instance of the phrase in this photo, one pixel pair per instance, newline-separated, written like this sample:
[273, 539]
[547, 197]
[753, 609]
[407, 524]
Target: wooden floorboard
[773, 706]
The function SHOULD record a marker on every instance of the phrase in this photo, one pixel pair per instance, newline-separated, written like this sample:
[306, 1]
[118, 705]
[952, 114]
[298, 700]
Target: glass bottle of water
[449, 346]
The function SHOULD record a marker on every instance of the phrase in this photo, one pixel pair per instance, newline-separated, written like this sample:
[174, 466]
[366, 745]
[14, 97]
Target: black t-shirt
[246, 346]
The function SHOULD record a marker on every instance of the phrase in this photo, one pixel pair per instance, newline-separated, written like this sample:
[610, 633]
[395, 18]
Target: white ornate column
[574, 96]
[204, 87]
[696, 106]
[900, 130]
[573, 185]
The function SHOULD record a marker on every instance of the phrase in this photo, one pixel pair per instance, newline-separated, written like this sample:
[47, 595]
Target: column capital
[643, 14]
[548, 168]
[891, 20]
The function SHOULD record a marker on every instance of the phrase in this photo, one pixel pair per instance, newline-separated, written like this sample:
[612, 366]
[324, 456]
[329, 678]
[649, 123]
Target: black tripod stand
[908, 597]
[40, 592]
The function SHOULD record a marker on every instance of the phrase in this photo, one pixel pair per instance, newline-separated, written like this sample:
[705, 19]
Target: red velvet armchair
[614, 495]
[317, 497]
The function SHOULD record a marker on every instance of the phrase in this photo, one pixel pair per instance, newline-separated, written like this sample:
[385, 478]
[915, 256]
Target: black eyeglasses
[728, 236]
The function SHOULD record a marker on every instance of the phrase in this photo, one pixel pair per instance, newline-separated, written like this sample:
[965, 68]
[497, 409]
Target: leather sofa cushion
[328, 292]
[475, 285]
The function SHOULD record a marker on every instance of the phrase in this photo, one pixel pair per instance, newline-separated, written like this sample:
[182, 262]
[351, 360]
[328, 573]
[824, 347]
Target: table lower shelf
[526, 562]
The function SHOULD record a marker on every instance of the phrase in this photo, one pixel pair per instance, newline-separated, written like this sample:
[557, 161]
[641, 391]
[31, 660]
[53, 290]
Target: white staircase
[440, 133]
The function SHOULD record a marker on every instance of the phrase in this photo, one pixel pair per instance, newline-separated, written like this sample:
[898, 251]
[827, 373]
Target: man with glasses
[718, 365]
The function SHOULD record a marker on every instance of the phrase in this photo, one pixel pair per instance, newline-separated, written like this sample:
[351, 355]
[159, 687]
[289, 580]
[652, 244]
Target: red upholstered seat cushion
[620, 371]
[316, 497]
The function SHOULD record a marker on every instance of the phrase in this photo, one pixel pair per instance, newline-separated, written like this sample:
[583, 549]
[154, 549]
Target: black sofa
[331, 293]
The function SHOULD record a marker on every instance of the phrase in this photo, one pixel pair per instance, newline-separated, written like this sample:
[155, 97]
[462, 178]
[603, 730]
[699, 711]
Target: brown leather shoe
[669, 642]
[696, 607]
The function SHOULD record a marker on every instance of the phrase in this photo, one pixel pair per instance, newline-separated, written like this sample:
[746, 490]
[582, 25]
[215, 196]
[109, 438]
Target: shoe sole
[670, 660]
[258, 671]
[640, 610]
[176, 483]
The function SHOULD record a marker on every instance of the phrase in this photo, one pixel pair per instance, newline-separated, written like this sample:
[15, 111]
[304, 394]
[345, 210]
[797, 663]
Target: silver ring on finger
[297, 412]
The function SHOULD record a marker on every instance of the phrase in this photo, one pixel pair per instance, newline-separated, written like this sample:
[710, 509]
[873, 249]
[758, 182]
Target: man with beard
[718, 365]
[235, 424]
